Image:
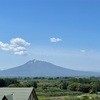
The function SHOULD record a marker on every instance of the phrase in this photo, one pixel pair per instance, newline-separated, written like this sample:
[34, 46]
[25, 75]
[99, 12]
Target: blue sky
[63, 32]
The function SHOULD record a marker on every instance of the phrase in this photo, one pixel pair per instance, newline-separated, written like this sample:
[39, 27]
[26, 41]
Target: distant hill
[36, 68]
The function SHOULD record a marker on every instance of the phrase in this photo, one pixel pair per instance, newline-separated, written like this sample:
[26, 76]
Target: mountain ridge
[36, 68]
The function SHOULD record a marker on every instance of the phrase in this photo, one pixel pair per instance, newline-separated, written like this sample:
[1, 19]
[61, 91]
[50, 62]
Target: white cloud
[19, 42]
[19, 49]
[17, 45]
[21, 53]
[83, 51]
[55, 39]
[4, 46]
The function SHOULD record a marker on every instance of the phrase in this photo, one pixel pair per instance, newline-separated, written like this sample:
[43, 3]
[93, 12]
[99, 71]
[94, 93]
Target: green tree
[64, 85]
[96, 86]
[84, 88]
[35, 84]
[2, 83]
[72, 86]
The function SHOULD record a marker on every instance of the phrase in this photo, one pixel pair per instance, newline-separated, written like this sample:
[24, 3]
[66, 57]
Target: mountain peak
[32, 61]
[37, 68]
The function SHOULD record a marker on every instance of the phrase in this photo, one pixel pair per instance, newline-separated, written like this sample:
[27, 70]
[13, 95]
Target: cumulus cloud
[17, 45]
[4, 46]
[21, 53]
[55, 39]
[19, 41]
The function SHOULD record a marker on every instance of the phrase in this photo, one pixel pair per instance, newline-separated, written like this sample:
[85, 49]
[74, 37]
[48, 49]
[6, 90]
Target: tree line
[86, 85]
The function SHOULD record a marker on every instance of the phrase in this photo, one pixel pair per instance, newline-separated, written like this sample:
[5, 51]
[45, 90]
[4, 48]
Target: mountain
[36, 68]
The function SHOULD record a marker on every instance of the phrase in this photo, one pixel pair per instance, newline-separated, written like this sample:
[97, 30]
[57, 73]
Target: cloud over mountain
[17, 45]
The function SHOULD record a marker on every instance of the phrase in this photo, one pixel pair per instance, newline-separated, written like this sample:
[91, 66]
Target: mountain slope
[35, 68]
